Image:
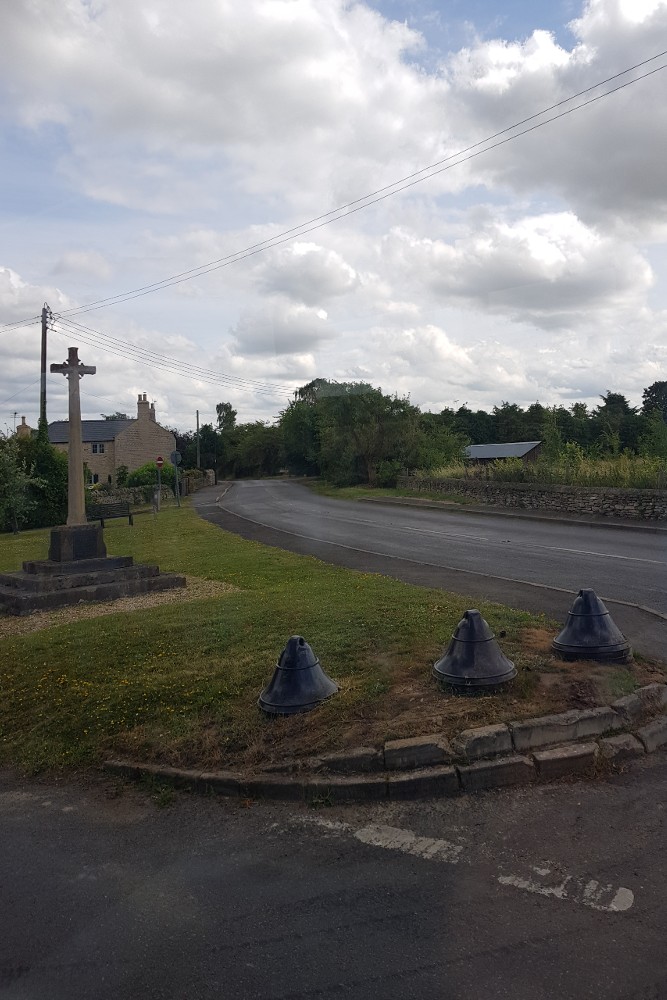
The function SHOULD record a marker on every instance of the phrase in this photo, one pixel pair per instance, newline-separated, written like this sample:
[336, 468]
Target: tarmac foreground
[545, 892]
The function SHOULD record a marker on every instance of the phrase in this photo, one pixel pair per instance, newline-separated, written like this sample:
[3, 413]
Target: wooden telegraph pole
[46, 312]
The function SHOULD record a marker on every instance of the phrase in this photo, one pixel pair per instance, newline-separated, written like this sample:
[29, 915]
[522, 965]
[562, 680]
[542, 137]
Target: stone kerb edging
[495, 756]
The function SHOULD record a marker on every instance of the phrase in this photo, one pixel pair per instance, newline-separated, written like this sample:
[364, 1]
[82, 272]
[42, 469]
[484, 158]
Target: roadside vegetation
[570, 468]
[178, 682]
[351, 434]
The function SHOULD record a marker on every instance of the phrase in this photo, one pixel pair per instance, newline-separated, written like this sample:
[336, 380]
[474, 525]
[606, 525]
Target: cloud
[542, 269]
[523, 272]
[84, 263]
[279, 328]
[307, 273]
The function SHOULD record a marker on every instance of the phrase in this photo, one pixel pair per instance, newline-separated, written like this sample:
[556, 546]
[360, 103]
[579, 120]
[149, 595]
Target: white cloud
[186, 132]
[280, 327]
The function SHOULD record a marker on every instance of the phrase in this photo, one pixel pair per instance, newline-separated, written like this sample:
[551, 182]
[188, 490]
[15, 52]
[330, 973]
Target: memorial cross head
[73, 366]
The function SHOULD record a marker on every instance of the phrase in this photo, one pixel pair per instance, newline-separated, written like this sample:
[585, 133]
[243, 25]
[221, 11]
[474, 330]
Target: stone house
[110, 444]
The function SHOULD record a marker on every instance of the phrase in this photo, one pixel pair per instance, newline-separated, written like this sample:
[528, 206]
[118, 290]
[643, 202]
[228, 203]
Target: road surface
[547, 893]
[521, 562]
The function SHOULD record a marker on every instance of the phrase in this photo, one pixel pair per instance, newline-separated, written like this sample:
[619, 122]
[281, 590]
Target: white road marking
[602, 555]
[545, 882]
[394, 839]
[589, 892]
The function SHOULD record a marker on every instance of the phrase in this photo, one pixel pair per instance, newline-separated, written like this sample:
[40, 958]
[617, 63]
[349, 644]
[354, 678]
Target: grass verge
[371, 492]
[178, 682]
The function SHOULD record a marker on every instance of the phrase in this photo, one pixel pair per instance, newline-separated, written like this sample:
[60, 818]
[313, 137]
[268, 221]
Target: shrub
[146, 475]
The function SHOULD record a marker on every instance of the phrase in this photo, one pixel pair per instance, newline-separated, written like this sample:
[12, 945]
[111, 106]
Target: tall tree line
[352, 432]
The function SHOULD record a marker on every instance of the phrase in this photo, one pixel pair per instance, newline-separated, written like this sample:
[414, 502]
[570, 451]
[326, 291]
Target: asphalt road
[521, 562]
[552, 892]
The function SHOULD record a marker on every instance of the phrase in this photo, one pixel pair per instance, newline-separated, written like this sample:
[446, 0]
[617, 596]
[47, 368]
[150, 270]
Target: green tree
[301, 439]
[508, 419]
[226, 416]
[653, 441]
[16, 485]
[49, 491]
[360, 428]
[655, 398]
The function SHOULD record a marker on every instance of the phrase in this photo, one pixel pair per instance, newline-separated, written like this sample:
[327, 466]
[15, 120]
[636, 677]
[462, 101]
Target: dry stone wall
[640, 505]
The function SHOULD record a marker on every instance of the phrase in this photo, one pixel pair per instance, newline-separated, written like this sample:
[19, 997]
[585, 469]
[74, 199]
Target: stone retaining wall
[641, 505]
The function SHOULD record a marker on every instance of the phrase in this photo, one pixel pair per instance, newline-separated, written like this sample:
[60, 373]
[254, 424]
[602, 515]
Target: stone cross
[74, 370]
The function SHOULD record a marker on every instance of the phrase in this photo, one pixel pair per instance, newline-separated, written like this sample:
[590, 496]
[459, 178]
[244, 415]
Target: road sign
[175, 458]
[159, 461]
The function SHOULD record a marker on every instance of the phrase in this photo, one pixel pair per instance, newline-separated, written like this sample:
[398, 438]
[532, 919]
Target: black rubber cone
[474, 660]
[591, 633]
[298, 684]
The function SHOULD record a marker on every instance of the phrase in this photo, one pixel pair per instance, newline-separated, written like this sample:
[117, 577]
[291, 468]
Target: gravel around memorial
[196, 590]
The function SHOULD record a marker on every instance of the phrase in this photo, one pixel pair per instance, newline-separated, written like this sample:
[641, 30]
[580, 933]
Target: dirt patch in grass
[413, 704]
[195, 590]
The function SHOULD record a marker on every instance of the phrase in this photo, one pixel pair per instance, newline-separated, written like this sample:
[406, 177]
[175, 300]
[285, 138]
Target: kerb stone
[654, 735]
[576, 759]
[573, 725]
[630, 708]
[403, 755]
[496, 773]
[361, 788]
[621, 747]
[485, 741]
[362, 759]
[430, 782]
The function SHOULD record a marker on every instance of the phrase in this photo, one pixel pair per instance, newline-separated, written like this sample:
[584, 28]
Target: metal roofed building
[527, 451]
[110, 444]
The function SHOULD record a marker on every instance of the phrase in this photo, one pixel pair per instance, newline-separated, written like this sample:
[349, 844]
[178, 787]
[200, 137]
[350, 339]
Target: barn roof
[511, 449]
[91, 430]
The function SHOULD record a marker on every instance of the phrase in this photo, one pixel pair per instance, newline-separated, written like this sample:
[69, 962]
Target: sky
[142, 141]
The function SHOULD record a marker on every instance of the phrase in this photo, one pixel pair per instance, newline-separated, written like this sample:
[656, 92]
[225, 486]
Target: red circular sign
[159, 461]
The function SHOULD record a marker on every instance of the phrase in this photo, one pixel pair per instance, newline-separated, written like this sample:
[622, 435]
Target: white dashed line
[598, 896]
[542, 881]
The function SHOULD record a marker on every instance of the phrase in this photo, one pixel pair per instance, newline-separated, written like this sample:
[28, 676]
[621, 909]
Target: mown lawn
[179, 683]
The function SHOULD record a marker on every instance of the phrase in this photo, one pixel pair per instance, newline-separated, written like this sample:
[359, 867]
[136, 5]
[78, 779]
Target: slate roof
[91, 430]
[511, 449]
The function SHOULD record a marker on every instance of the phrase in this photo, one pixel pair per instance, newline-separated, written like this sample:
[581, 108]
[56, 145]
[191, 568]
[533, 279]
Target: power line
[172, 365]
[380, 194]
[24, 389]
[154, 354]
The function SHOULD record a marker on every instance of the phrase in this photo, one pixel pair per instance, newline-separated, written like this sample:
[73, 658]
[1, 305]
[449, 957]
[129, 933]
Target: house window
[96, 478]
[98, 449]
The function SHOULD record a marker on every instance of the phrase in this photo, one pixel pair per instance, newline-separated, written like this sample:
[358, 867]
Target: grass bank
[369, 492]
[178, 682]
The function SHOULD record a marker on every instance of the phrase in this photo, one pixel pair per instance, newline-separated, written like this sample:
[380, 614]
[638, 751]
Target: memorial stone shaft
[74, 370]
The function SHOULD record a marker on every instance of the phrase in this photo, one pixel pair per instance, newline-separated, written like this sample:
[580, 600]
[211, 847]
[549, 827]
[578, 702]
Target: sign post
[175, 459]
[159, 461]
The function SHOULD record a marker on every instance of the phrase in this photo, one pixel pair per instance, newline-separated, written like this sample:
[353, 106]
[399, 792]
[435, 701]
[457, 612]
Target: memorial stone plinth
[78, 568]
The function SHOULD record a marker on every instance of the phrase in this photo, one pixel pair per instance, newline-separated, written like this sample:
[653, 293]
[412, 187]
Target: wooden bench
[104, 511]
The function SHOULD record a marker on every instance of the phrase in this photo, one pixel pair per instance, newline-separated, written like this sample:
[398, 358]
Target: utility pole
[46, 312]
[198, 454]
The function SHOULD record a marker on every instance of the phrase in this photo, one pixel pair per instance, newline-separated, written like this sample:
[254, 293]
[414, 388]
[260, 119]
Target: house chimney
[143, 407]
[23, 430]
[151, 412]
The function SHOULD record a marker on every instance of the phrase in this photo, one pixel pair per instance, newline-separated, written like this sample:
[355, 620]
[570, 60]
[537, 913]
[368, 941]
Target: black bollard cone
[474, 659]
[298, 684]
[591, 633]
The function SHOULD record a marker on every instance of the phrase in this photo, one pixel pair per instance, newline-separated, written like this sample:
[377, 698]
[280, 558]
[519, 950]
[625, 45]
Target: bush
[387, 473]
[146, 475]
[50, 496]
